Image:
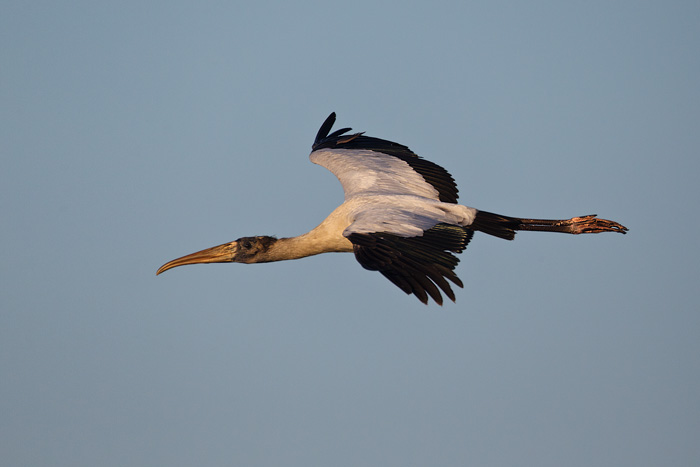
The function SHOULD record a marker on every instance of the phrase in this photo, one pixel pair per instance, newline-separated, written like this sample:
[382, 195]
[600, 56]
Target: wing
[410, 240]
[366, 165]
[417, 265]
[404, 216]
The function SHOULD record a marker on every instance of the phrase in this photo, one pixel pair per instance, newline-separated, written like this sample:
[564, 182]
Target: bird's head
[243, 250]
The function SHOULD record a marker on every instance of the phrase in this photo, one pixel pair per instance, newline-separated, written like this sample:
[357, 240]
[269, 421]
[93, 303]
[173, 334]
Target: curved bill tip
[219, 254]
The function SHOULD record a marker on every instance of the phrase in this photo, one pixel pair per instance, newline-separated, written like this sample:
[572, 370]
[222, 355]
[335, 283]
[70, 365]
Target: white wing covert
[366, 172]
[403, 215]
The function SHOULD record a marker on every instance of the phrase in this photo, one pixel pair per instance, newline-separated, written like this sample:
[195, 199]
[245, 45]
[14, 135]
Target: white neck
[326, 238]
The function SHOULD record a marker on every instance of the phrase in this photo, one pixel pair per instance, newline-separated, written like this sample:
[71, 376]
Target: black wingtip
[323, 137]
[325, 128]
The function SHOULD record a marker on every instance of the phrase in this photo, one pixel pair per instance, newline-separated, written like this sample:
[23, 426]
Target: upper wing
[366, 165]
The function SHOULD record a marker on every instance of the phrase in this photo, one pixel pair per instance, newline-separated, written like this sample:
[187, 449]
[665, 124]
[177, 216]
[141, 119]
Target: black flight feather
[417, 265]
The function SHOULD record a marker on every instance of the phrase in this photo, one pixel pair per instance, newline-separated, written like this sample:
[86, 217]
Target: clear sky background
[132, 133]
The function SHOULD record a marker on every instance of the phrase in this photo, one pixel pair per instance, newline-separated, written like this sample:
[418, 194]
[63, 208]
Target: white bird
[400, 217]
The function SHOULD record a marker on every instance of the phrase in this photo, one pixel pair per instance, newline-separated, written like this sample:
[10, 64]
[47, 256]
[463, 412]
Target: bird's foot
[592, 224]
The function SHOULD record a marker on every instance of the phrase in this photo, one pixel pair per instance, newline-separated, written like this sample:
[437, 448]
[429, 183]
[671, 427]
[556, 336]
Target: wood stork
[400, 217]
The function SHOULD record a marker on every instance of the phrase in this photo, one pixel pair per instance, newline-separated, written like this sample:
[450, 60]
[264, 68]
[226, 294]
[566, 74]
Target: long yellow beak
[218, 254]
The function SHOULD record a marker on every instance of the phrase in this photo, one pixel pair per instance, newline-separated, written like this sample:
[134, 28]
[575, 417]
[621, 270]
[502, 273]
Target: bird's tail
[505, 227]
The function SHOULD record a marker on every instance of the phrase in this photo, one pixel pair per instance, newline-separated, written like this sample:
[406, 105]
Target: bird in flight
[400, 217]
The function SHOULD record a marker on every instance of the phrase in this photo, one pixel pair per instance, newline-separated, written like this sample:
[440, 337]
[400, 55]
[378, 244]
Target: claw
[592, 224]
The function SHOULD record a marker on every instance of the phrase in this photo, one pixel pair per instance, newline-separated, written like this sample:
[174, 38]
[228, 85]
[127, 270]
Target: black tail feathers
[495, 224]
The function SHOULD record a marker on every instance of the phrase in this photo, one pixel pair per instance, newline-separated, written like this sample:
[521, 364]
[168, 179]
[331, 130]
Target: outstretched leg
[505, 227]
[575, 225]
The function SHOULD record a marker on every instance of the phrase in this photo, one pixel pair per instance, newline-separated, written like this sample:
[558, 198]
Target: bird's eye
[247, 245]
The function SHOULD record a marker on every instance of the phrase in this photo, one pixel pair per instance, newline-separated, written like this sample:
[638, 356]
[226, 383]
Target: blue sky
[134, 133]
